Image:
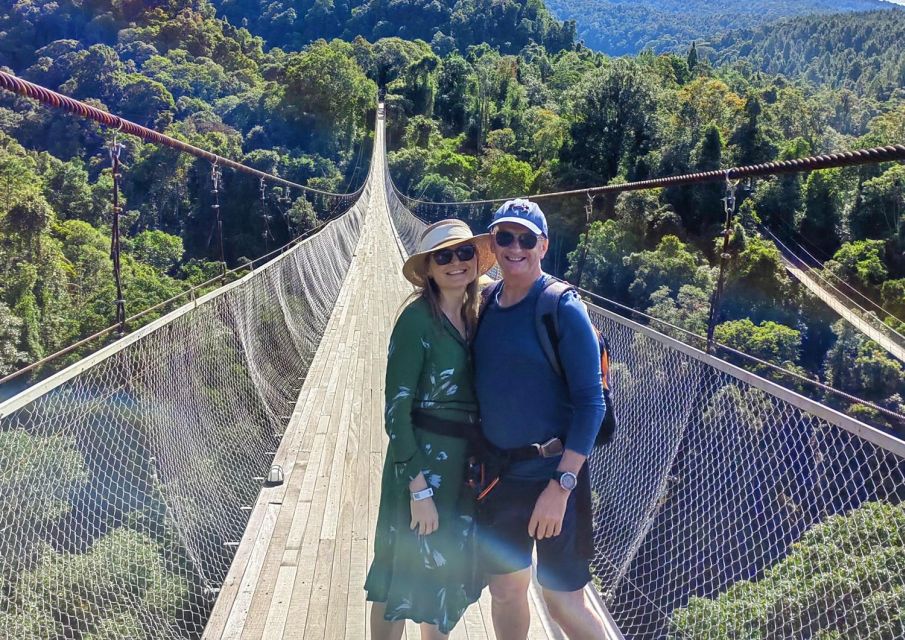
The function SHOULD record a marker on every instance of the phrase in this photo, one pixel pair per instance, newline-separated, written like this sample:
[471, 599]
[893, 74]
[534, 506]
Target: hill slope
[619, 28]
[504, 24]
[863, 52]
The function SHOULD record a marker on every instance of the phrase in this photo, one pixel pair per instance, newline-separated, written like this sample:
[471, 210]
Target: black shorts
[505, 545]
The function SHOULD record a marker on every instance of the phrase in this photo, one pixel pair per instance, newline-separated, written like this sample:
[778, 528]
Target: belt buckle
[549, 449]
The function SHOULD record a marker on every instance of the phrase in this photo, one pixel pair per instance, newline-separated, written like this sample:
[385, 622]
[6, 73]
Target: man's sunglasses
[464, 253]
[526, 240]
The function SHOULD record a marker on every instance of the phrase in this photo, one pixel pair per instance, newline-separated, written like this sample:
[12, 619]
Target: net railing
[126, 481]
[728, 507]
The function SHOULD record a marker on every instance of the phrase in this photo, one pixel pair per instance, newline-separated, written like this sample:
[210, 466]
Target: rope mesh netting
[125, 488]
[726, 508]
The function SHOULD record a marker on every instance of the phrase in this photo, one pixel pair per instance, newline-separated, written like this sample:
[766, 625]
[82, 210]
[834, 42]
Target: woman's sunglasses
[464, 253]
[526, 240]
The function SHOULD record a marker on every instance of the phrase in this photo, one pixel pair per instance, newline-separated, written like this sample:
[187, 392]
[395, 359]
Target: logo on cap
[523, 212]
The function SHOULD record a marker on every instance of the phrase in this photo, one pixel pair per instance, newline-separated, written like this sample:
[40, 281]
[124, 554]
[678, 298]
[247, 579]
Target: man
[524, 404]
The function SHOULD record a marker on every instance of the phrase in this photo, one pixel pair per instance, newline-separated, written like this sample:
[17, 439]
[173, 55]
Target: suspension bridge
[847, 308]
[137, 501]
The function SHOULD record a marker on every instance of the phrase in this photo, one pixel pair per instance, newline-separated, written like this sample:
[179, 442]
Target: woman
[423, 555]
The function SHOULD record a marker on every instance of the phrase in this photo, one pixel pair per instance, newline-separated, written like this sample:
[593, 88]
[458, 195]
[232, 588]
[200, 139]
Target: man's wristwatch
[423, 494]
[566, 479]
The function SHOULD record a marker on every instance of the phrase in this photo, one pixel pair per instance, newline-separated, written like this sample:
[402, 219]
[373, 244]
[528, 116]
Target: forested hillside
[178, 68]
[862, 52]
[619, 28]
[507, 25]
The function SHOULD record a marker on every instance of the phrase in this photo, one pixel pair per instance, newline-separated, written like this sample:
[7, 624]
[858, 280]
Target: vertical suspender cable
[120, 302]
[716, 299]
[588, 214]
[215, 180]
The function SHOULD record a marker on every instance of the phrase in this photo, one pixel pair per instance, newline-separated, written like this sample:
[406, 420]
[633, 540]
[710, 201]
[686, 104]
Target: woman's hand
[424, 516]
[424, 512]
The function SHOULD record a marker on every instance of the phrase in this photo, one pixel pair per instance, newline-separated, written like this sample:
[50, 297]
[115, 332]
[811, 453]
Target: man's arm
[579, 354]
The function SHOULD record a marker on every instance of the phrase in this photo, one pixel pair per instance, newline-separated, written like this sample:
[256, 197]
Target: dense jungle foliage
[178, 68]
[620, 28]
[506, 25]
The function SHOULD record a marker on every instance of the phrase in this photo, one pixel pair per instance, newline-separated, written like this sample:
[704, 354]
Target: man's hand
[546, 519]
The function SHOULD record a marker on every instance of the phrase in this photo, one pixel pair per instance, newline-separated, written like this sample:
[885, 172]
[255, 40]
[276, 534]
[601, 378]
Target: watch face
[568, 481]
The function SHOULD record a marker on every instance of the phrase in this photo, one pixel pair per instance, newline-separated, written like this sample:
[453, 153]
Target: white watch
[424, 494]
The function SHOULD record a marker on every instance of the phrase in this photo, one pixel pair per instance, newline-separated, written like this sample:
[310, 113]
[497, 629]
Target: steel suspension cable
[71, 105]
[890, 153]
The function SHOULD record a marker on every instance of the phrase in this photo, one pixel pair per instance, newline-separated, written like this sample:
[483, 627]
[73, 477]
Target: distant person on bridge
[425, 559]
[544, 424]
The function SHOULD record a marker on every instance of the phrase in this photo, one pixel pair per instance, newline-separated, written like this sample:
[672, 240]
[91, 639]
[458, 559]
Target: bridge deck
[301, 565]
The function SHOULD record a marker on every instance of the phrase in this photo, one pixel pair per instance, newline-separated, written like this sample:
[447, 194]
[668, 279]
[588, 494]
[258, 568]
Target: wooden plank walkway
[300, 568]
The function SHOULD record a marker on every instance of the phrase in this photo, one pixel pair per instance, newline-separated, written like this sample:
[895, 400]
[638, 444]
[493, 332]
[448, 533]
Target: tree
[692, 60]
[547, 133]
[602, 249]
[11, 358]
[752, 140]
[452, 85]
[708, 205]
[671, 265]
[689, 310]
[158, 249]
[768, 340]
[28, 220]
[327, 94]
[880, 208]
[862, 368]
[854, 558]
[615, 120]
[860, 262]
[822, 220]
[757, 285]
[504, 175]
[302, 216]
[778, 199]
[24, 500]
[67, 190]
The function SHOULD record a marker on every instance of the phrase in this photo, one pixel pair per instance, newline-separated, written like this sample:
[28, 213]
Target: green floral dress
[425, 578]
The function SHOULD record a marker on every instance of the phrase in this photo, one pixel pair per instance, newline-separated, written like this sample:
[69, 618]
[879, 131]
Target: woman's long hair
[470, 307]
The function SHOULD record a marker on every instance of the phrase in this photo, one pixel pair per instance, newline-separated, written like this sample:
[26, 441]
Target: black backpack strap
[546, 320]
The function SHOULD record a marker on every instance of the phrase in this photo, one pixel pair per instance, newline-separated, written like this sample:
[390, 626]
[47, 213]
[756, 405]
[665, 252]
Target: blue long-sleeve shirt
[522, 400]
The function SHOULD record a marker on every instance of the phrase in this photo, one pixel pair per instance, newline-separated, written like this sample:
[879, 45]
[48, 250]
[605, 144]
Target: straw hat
[446, 234]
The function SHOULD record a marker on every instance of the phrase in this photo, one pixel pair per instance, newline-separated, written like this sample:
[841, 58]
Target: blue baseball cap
[523, 212]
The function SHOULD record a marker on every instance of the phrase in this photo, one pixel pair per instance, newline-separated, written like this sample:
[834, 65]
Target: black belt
[552, 448]
[472, 432]
[440, 426]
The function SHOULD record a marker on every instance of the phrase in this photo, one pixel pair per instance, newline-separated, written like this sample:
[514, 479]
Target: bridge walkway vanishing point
[300, 568]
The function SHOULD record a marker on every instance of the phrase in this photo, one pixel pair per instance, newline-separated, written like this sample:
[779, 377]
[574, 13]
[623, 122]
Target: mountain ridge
[620, 28]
